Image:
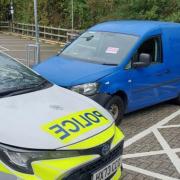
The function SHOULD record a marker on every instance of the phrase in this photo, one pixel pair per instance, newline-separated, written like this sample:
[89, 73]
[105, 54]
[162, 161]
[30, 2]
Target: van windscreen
[101, 47]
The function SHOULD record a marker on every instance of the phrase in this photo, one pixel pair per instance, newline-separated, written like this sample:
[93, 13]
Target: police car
[48, 132]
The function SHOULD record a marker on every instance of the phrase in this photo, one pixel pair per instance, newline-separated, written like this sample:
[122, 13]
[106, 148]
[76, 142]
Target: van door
[171, 80]
[146, 81]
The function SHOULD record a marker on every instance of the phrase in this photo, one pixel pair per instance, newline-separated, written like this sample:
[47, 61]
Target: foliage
[88, 12]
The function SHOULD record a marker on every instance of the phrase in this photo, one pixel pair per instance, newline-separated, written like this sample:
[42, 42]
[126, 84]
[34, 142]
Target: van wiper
[109, 64]
[18, 91]
[88, 38]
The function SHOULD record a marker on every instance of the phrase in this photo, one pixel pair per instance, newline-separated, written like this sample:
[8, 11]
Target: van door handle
[166, 71]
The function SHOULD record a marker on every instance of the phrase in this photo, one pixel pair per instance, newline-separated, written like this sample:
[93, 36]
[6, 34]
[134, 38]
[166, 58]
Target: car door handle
[166, 71]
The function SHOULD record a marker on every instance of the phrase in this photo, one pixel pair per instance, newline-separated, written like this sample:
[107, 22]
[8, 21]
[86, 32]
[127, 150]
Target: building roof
[134, 27]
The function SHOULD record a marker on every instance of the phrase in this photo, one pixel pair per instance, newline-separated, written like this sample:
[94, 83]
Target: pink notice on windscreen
[112, 50]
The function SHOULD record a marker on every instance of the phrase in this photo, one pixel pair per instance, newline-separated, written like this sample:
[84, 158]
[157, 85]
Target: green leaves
[88, 12]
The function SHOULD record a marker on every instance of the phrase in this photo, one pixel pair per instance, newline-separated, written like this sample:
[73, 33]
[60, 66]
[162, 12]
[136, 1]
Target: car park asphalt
[17, 47]
[152, 135]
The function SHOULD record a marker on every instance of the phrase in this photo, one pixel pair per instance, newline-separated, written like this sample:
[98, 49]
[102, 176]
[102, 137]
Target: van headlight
[86, 89]
[20, 160]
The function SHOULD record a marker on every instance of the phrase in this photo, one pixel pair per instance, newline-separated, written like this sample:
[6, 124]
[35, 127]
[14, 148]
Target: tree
[88, 12]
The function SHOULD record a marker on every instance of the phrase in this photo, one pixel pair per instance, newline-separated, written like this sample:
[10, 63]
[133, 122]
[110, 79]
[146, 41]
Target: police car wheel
[116, 108]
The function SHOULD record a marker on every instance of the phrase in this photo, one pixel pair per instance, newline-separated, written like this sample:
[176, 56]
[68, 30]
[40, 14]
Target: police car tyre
[117, 102]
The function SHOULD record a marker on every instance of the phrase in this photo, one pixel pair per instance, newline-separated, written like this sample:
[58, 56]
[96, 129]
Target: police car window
[13, 75]
[101, 47]
[153, 47]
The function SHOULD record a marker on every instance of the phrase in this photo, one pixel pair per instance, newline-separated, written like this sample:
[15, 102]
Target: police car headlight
[86, 89]
[21, 160]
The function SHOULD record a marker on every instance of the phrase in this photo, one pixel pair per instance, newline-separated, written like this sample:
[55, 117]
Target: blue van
[122, 65]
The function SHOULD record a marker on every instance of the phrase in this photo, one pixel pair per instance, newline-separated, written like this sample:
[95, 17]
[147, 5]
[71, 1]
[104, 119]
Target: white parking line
[23, 45]
[166, 149]
[172, 156]
[149, 173]
[149, 130]
[169, 126]
[6, 49]
[151, 153]
[19, 50]
[20, 59]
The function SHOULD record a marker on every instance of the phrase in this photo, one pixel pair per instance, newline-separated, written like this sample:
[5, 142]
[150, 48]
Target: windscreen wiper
[15, 92]
[109, 64]
[18, 91]
[88, 38]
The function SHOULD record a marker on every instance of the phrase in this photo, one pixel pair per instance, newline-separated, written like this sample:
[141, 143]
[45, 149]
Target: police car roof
[134, 27]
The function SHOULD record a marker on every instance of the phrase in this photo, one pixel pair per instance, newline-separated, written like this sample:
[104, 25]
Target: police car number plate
[108, 170]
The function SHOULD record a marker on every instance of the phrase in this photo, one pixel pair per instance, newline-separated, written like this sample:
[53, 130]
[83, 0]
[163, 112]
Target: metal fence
[4, 25]
[45, 32]
[60, 35]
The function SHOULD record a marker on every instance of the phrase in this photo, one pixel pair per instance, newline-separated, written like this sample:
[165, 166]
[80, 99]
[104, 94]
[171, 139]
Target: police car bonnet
[50, 119]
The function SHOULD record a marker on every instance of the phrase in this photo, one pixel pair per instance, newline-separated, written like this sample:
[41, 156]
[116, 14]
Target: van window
[153, 47]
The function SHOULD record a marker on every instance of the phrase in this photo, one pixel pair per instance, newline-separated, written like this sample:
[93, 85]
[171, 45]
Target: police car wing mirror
[144, 61]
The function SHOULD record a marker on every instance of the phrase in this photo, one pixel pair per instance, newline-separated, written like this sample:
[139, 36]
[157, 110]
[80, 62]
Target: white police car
[48, 132]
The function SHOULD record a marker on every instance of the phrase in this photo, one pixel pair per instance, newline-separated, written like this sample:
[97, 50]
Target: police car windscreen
[13, 75]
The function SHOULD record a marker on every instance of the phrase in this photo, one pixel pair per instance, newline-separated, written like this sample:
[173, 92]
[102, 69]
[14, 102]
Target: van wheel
[116, 108]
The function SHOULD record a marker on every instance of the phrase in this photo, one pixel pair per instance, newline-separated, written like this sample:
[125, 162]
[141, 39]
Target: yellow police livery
[50, 133]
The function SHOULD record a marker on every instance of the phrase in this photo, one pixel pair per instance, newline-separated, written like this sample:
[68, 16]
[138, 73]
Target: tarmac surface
[152, 142]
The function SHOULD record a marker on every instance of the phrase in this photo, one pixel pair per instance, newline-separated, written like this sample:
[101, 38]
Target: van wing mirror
[144, 61]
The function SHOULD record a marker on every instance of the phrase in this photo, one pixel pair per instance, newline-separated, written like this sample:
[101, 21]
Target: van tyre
[116, 108]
